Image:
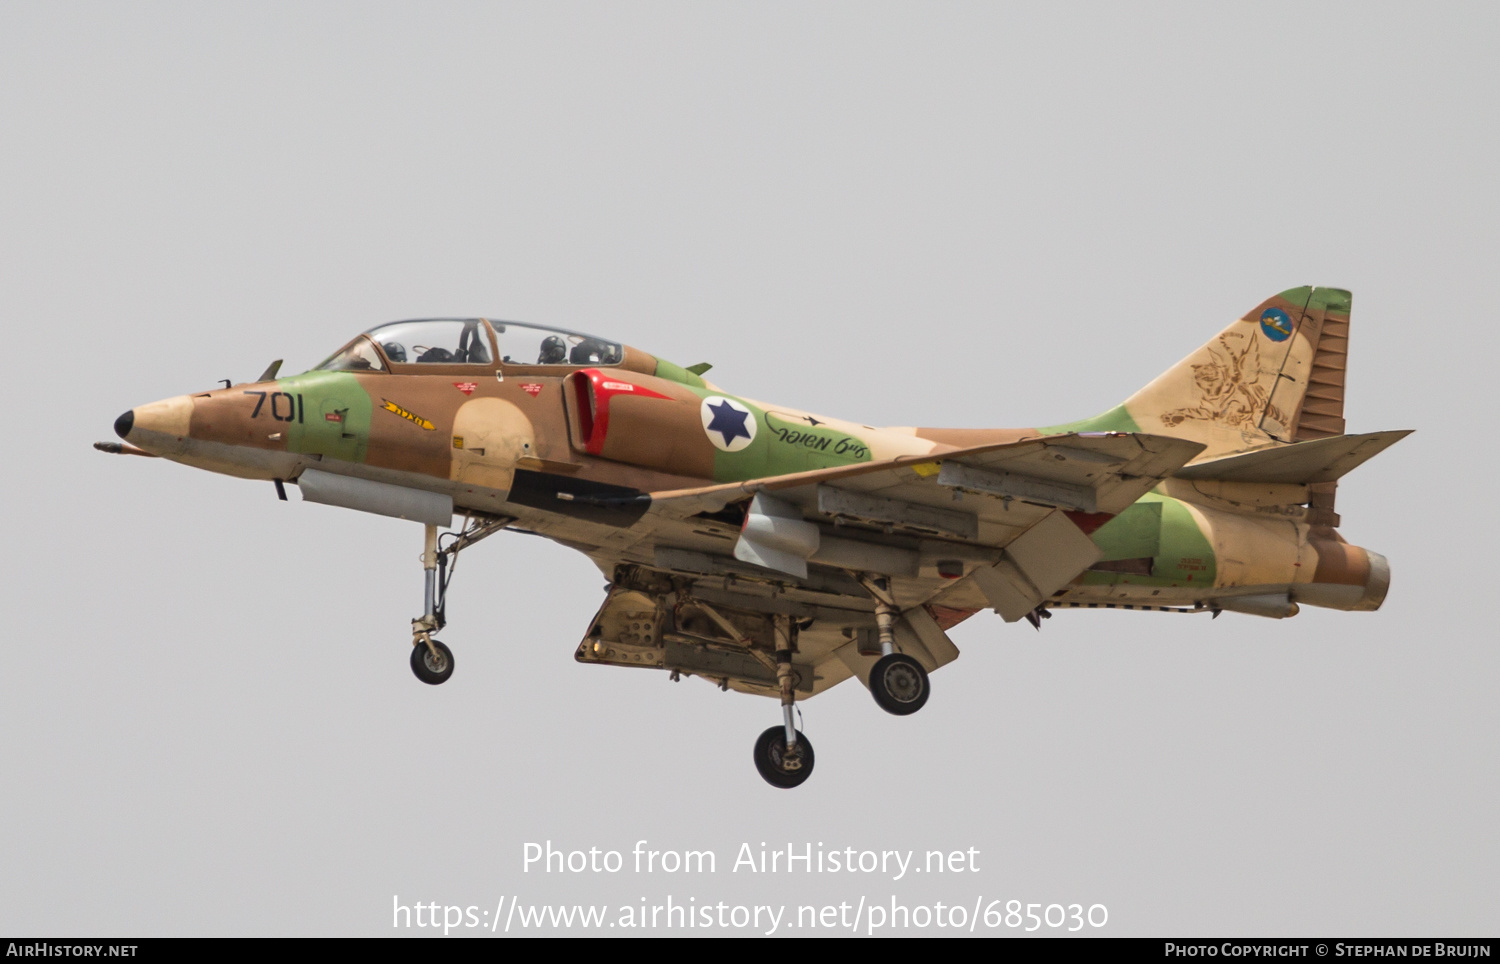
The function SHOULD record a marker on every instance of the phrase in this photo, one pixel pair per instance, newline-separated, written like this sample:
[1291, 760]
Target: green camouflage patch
[1133, 534]
[782, 446]
[1183, 556]
[1336, 300]
[336, 416]
[1116, 419]
[678, 374]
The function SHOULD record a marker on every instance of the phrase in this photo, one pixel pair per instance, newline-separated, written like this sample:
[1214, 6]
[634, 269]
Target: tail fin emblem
[1275, 323]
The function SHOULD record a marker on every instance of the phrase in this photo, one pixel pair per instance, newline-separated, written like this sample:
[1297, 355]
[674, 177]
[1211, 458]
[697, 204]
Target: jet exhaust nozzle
[1350, 578]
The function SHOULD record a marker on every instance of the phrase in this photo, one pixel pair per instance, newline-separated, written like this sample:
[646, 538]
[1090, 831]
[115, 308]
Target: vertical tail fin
[1273, 377]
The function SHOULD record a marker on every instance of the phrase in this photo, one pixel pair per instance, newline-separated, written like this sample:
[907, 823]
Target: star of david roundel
[727, 423]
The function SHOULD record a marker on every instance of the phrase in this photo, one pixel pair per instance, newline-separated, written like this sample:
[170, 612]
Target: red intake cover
[595, 389]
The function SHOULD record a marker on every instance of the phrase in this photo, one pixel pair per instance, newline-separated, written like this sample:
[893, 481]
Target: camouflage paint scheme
[652, 471]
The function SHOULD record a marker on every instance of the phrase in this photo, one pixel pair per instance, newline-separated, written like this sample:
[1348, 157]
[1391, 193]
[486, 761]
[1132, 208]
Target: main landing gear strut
[783, 755]
[431, 660]
[897, 681]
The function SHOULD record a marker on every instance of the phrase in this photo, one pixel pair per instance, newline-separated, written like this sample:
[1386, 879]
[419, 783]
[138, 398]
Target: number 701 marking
[293, 404]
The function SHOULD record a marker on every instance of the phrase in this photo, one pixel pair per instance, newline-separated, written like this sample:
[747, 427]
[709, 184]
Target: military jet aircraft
[777, 552]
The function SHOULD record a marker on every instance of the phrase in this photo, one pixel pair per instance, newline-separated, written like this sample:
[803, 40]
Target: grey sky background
[932, 214]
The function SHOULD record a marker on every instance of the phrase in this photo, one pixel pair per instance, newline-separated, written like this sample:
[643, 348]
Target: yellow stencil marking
[925, 469]
[391, 406]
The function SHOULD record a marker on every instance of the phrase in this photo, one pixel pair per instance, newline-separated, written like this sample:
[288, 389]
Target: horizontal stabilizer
[1301, 463]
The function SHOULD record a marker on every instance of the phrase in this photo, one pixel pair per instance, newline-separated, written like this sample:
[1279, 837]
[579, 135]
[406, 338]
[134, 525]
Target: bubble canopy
[471, 341]
[520, 344]
[437, 341]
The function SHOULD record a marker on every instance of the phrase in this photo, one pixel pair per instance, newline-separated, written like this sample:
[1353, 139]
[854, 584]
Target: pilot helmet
[554, 351]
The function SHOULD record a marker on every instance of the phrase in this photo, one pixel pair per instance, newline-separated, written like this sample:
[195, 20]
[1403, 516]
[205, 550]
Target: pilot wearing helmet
[554, 351]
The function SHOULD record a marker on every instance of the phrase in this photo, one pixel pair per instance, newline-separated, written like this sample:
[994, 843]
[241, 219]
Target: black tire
[429, 670]
[771, 759]
[899, 684]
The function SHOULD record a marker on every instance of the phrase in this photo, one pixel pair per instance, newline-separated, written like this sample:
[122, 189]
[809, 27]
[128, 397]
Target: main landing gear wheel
[432, 669]
[899, 684]
[776, 765]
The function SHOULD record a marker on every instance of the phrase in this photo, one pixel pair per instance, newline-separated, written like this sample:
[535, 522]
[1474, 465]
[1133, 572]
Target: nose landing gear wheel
[899, 684]
[776, 765]
[432, 669]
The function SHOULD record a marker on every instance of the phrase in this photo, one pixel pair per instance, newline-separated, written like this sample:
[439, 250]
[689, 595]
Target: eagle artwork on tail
[1229, 387]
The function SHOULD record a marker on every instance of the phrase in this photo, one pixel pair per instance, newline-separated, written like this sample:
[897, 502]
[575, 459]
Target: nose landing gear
[431, 660]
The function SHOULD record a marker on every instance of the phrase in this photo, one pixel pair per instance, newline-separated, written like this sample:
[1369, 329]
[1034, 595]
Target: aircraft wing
[998, 515]
[1081, 472]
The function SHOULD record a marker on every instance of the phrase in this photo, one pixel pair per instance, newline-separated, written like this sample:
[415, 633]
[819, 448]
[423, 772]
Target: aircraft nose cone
[125, 423]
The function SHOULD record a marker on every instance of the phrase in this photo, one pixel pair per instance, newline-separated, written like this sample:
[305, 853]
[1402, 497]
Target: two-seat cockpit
[469, 341]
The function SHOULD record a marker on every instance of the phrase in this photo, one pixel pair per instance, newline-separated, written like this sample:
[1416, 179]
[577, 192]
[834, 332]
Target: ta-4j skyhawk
[777, 552]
